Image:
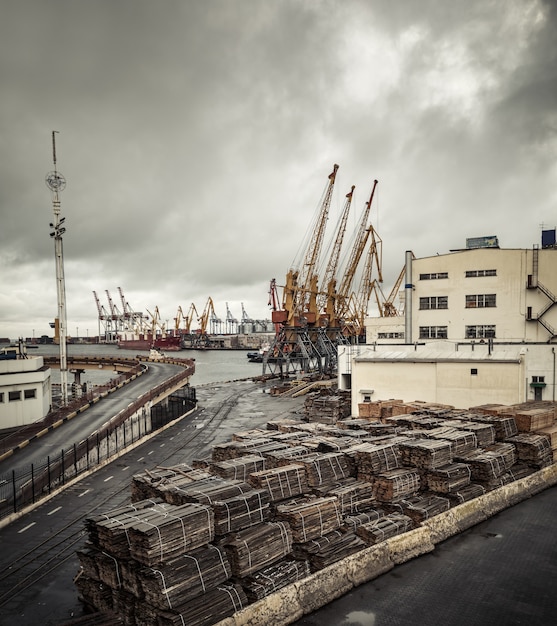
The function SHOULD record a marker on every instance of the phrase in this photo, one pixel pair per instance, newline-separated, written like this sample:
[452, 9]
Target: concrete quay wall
[306, 596]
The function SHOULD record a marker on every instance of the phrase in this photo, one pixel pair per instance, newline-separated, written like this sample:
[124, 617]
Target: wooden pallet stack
[421, 507]
[285, 481]
[326, 468]
[274, 577]
[241, 512]
[311, 517]
[252, 549]
[396, 484]
[353, 495]
[491, 462]
[533, 449]
[485, 433]
[327, 408]
[462, 441]
[351, 522]
[330, 548]
[426, 453]
[528, 420]
[385, 527]
[238, 468]
[372, 458]
[448, 478]
[149, 483]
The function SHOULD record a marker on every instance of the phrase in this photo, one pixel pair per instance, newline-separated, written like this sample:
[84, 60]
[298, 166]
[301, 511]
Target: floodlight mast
[56, 183]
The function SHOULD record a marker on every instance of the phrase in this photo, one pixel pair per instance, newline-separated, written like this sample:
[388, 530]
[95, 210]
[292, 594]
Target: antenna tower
[56, 183]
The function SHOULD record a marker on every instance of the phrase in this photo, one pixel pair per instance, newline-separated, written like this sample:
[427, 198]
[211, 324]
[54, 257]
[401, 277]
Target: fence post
[87, 449]
[33, 482]
[75, 458]
[48, 472]
[62, 462]
[98, 450]
[14, 491]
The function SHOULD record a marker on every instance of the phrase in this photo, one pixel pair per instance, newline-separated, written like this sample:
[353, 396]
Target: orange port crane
[300, 291]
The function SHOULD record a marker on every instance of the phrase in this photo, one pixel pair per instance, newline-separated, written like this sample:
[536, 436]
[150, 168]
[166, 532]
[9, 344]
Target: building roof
[429, 355]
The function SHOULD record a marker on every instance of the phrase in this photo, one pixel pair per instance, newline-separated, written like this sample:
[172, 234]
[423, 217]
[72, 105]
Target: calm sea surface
[210, 365]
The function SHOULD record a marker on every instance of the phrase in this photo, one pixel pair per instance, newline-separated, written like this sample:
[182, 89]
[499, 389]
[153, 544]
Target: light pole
[56, 183]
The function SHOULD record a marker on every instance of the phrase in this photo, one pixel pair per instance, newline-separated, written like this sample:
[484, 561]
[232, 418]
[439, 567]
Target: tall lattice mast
[56, 183]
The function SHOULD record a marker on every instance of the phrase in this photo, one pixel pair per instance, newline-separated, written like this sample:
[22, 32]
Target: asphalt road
[39, 559]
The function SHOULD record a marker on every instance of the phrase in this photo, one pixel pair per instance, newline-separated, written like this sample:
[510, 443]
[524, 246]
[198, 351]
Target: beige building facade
[479, 327]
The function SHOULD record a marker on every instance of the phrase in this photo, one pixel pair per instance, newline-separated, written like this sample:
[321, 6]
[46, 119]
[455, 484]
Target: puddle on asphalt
[359, 618]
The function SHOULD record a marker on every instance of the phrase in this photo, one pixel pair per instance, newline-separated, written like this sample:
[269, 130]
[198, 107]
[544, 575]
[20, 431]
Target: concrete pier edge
[306, 596]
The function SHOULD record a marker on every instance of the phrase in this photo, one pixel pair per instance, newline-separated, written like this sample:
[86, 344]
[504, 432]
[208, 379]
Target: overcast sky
[196, 137]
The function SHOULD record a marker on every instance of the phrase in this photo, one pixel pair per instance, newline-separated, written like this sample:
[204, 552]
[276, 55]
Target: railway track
[29, 568]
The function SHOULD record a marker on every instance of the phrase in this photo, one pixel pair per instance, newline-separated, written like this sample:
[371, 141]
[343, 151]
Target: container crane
[231, 322]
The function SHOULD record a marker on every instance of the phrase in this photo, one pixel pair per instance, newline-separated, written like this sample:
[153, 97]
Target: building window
[481, 301]
[434, 276]
[480, 332]
[478, 273]
[538, 379]
[390, 335]
[13, 396]
[28, 394]
[474, 371]
[433, 332]
[434, 302]
[2, 396]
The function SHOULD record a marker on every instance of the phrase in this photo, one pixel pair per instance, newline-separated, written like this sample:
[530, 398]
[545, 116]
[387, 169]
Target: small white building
[479, 327]
[25, 390]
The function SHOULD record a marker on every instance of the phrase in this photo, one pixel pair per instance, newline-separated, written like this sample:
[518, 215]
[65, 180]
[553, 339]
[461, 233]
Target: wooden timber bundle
[310, 518]
[252, 549]
[185, 577]
[533, 449]
[422, 507]
[467, 493]
[332, 547]
[203, 610]
[504, 425]
[354, 423]
[110, 531]
[485, 433]
[286, 456]
[98, 596]
[282, 482]
[242, 511]
[233, 449]
[423, 422]
[371, 459]
[274, 577]
[335, 444]
[462, 441]
[426, 453]
[490, 462]
[449, 478]
[351, 522]
[353, 495]
[204, 491]
[160, 537]
[327, 409]
[327, 468]
[146, 484]
[384, 528]
[238, 468]
[396, 484]
[250, 435]
[534, 419]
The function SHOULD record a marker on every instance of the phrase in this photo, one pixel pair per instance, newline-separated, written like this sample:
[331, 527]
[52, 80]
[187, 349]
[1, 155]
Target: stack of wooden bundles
[323, 551]
[379, 429]
[252, 549]
[491, 462]
[145, 485]
[310, 518]
[239, 468]
[449, 478]
[396, 484]
[282, 425]
[353, 495]
[423, 422]
[385, 527]
[326, 409]
[465, 494]
[234, 449]
[98, 596]
[163, 536]
[241, 511]
[249, 435]
[534, 419]
[504, 425]
[353, 423]
[274, 577]
[533, 448]
[352, 522]
[370, 410]
[327, 468]
[282, 482]
[551, 435]
[462, 441]
[292, 438]
[185, 577]
[334, 444]
[426, 453]
[204, 491]
[286, 456]
[110, 531]
[422, 507]
[485, 433]
[204, 610]
[371, 459]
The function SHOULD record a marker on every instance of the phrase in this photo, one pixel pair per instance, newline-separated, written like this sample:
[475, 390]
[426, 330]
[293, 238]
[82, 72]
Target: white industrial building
[25, 390]
[479, 327]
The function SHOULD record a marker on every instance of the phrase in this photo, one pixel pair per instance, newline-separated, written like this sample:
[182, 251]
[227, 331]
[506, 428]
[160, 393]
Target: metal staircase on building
[534, 283]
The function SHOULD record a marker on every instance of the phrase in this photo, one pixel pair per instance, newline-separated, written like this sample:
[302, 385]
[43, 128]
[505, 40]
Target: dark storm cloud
[196, 138]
